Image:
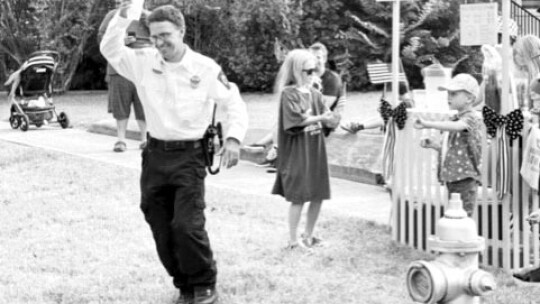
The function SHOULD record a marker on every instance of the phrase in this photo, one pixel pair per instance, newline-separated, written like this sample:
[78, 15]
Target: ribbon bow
[512, 122]
[399, 113]
[501, 127]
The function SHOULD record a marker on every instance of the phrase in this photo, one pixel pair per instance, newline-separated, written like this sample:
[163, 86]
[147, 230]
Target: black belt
[171, 145]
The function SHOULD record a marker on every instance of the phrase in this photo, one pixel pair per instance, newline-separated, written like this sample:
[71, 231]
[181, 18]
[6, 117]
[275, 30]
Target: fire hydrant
[453, 277]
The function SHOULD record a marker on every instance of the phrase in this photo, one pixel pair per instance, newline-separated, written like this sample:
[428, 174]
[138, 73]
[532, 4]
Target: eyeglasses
[161, 37]
[309, 71]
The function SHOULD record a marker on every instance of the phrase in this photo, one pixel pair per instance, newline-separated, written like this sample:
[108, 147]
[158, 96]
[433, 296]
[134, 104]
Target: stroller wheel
[14, 122]
[39, 124]
[63, 120]
[24, 123]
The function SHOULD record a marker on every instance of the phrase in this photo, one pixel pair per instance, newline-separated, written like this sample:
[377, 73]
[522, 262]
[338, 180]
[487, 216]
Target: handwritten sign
[478, 24]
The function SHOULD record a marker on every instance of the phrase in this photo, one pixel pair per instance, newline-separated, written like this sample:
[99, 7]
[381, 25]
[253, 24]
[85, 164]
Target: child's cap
[535, 84]
[462, 82]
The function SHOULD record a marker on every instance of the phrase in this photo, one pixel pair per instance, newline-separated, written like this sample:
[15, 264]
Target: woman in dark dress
[302, 167]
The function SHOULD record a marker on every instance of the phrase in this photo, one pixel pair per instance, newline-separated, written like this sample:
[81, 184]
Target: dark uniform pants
[172, 200]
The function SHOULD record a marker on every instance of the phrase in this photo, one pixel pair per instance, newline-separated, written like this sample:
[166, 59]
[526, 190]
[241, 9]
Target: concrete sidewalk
[348, 198]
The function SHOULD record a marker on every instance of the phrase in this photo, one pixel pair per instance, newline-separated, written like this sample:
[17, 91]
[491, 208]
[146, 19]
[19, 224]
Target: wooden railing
[419, 200]
[527, 22]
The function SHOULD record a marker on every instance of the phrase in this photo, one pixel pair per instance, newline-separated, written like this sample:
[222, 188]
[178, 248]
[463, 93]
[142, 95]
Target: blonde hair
[528, 47]
[290, 72]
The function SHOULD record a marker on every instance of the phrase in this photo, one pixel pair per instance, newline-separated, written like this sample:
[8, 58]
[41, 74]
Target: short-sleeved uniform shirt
[178, 97]
[302, 166]
[463, 157]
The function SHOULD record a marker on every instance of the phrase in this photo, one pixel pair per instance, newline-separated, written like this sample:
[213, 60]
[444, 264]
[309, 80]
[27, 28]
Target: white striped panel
[382, 73]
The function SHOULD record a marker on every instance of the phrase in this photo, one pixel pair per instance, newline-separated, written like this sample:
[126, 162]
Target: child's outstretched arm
[448, 125]
[370, 123]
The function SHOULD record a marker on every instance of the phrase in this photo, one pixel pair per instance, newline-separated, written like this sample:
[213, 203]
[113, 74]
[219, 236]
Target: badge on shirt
[194, 81]
[223, 79]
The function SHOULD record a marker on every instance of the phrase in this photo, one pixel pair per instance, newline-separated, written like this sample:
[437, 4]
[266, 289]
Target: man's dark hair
[167, 13]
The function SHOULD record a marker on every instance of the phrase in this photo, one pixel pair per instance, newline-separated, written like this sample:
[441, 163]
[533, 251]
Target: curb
[361, 173]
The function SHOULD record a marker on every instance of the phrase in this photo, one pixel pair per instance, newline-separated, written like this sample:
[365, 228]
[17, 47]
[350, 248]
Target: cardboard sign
[478, 23]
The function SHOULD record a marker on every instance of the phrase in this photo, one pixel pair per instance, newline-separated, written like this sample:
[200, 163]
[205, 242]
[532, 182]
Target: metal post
[505, 106]
[395, 51]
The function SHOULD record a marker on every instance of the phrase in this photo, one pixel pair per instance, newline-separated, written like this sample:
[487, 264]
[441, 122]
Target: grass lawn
[73, 233]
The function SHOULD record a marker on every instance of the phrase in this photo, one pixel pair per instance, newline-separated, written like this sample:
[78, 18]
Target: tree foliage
[254, 26]
[60, 25]
[429, 33]
[242, 35]
[435, 39]
[18, 33]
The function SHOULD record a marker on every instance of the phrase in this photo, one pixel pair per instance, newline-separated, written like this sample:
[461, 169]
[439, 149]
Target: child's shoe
[270, 159]
[311, 241]
[298, 247]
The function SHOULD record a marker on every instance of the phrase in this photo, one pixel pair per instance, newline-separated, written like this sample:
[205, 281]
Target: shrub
[254, 26]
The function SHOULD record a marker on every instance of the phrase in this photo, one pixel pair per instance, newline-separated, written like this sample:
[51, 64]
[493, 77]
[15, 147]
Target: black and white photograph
[270, 151]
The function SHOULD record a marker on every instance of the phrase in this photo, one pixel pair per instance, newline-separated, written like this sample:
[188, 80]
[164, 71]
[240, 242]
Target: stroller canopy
[35, 75]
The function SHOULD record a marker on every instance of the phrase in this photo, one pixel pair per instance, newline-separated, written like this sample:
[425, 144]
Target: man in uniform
[177, 88]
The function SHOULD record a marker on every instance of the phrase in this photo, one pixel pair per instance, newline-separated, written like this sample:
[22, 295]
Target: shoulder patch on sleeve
[223, 79]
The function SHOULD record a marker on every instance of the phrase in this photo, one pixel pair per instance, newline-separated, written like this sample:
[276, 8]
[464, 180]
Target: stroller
[31, 90]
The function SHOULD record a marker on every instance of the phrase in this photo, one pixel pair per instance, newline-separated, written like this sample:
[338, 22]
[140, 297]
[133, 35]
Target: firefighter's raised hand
[131, 9]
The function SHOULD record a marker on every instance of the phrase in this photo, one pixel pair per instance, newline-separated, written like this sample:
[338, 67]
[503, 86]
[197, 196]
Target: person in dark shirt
[122, 92]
